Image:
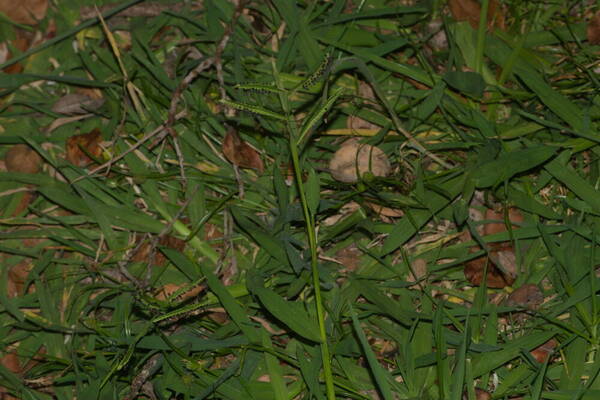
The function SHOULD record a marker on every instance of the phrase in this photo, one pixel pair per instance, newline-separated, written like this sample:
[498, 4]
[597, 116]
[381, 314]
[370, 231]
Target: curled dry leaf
[79, 145]
[240, 153]
[354, 159]
[528, 295]
[76, 104]
[22, 158]
[28, 12]
[593, 29]
[544, 351]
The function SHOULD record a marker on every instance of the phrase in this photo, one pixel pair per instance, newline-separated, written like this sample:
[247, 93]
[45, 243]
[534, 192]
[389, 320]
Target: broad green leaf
[291, 313]
[469, 83]
[511, 163]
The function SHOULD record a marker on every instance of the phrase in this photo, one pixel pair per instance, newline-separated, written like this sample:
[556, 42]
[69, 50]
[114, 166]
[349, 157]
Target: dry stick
[223, 42]
[193, 74]
[150, 366]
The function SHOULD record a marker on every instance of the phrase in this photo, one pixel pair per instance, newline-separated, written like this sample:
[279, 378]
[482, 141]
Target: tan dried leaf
[88, 141]
[76, 104]
[240, 153]
[354, 159]
[22, 158]
[28, 12]
[349, 257]
[528, 295]
[385, 211]
[418, 270]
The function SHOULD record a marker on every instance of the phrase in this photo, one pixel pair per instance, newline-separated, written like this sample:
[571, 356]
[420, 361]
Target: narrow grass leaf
[573, 181]
[274, 368]
[253, 109]
[458, 374]
[381, 378]
[313, 192]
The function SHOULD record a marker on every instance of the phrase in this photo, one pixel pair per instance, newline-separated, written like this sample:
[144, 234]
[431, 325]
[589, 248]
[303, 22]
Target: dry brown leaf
[24, 202]
[147, 9]
[17, 275]
[28, 12]
[88, 141]
[418, 271]
[170, 288]
[495, 278]
[21, 43]
[240, 153]
[385, 211]
[501, 260]
[355, 123]
[593, 29]
[22, 158]
[353, 158]
[514, 216]
[349, 257]
[10, 361]
[544, 351]
[143, 252]
[480, 394]
[76, 104]
[528, 295]
[470, 10]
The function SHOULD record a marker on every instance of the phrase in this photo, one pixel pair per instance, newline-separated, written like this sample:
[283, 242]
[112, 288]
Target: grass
[162, 270]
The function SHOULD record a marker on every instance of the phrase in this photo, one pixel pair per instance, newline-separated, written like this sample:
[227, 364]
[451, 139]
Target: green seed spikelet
[319, 72]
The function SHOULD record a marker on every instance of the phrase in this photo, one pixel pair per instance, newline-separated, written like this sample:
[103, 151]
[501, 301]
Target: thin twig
[148, 136]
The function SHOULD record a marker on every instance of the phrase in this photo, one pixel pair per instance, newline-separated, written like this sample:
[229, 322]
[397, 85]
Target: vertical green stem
[312, 241]
[310, 231]
[481, 37]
